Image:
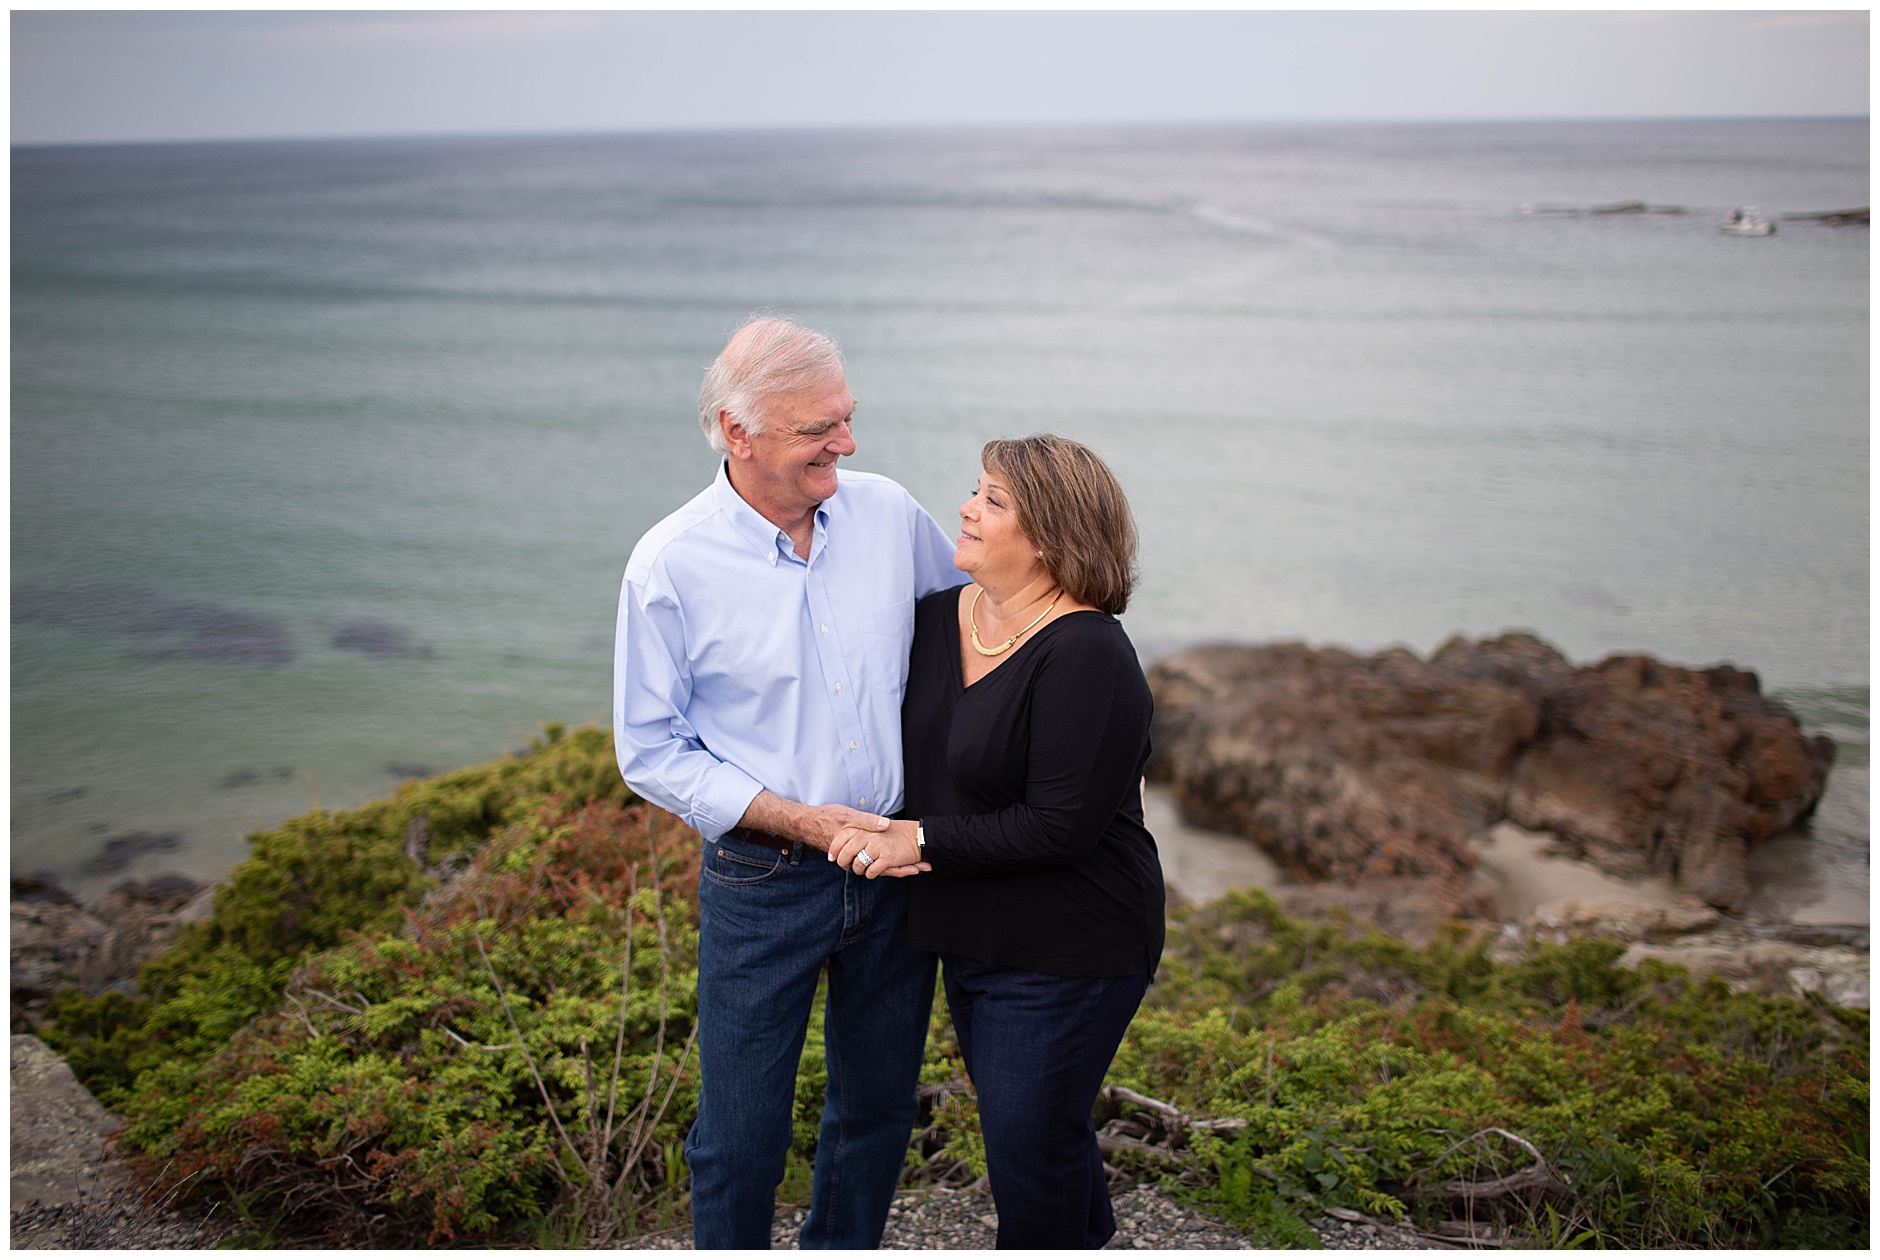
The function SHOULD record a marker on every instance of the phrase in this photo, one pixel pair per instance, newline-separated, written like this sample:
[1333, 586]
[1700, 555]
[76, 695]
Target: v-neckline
[959, 667]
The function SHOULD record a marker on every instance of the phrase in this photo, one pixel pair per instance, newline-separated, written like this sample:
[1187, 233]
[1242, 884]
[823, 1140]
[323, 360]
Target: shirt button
[838, 686]
[851, 745]
[864, 801]
[825, 629]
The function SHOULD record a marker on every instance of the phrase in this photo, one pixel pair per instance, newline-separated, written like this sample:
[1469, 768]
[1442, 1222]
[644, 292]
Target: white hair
[767, 355]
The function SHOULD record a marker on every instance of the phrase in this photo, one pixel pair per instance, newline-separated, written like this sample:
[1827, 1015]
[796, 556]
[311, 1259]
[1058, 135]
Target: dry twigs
[1539, 1178]
[597, 1189]
[1150, 1127]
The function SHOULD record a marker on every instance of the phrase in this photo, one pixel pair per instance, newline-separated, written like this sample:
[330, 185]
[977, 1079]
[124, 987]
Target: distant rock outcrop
[101, 945]
[1857, 217]
[1355, 768]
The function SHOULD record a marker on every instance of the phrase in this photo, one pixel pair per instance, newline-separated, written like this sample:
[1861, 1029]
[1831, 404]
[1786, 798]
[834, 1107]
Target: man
[760, 657]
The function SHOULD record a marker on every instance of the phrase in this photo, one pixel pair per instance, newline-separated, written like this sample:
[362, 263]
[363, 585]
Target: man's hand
[894, 851]
[814, 825]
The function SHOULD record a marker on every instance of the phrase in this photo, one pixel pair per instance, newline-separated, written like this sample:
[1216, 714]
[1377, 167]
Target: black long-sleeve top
[1027, 784]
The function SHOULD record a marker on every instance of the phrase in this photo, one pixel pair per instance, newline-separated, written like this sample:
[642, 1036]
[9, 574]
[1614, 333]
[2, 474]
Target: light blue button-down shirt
[739, 666]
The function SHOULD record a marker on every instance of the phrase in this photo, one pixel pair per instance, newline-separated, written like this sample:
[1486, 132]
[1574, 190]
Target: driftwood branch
[1119, 1096]
[1112, 1143]
[1538, 1178]
[1152, 1129]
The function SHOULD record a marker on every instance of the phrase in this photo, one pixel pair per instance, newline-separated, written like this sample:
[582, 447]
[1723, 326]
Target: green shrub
[455, 1078]
[97, 1037]
[329, 872]
[1243, 1195]
[1669, 1111]
[351, 1049]
[305, 885]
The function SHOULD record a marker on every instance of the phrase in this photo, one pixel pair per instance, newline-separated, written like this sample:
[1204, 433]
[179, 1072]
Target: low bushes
[305, 886]
[1562, 1098]
[357, 1049]
[353, 1050]
[474, 1069]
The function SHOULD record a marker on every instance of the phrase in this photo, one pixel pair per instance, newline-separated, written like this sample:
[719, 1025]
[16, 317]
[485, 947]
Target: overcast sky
[97, 76]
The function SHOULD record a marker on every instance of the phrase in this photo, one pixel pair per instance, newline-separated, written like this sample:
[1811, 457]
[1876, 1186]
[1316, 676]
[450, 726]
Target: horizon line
[837, 128]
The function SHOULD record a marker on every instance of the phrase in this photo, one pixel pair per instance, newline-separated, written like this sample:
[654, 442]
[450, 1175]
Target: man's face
[791, 465]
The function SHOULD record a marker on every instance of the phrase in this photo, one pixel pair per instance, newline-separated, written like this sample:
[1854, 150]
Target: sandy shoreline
[1522, 867]
[1803, 933]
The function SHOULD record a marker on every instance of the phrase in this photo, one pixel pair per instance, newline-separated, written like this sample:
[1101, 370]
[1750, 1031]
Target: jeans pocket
[733, 862]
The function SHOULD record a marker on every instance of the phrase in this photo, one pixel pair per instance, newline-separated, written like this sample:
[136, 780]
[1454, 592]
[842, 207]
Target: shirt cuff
[938, 830]
[721, 802]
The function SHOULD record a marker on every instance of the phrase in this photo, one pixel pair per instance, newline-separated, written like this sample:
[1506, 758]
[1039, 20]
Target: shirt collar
[752, 526]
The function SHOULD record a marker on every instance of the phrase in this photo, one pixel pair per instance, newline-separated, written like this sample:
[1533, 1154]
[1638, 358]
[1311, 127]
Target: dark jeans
[768, 924]
[1036, 1047]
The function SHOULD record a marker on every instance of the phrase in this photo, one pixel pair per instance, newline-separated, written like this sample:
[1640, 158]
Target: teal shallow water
[391, 414]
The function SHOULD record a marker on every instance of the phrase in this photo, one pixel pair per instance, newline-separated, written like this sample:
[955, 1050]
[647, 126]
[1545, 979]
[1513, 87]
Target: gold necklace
[972, 619]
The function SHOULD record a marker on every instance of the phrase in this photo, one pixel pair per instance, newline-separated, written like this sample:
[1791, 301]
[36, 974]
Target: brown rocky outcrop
[1356, 768]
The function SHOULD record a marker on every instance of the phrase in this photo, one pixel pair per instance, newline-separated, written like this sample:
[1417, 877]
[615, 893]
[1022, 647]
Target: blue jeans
[1036, 1047]
[769, 922]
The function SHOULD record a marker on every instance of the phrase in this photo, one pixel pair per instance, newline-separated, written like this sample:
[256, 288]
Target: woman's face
[991, 545]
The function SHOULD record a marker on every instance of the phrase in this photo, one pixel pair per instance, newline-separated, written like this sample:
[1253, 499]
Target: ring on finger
[863, 859]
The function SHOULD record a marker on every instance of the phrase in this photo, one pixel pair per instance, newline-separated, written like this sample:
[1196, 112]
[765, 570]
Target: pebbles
[1146, 1220]
[69, 1190]
[1150, 1220]
[936, 1220]
[120, 1222]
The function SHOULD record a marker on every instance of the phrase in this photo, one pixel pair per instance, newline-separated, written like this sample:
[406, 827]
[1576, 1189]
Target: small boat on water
[1747, 221]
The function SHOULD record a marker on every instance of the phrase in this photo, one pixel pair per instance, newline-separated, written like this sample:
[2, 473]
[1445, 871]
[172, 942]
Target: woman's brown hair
[1074, 512]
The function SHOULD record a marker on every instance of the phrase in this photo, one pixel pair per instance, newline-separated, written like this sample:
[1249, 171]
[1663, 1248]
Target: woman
[1025, 729]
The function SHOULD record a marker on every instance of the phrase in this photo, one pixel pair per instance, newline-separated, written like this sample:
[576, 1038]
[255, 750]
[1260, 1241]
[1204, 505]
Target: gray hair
[768, 355]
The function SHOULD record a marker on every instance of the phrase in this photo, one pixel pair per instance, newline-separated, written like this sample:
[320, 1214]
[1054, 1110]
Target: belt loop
[796, 853]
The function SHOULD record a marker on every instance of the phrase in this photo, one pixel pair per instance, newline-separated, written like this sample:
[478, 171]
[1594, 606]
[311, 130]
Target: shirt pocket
[887, 635]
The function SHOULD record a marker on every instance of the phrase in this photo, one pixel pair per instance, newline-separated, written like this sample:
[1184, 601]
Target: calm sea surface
[326, 457]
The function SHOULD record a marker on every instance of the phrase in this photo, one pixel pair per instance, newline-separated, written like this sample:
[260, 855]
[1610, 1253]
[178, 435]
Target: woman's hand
[891, 852]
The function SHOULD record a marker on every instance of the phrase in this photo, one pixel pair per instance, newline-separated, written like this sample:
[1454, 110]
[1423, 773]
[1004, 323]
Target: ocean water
[327, 456]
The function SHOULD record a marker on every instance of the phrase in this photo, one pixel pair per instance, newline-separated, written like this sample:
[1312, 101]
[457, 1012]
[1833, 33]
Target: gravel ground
[936, 1220]
[1146, 1219]
[119, 1221]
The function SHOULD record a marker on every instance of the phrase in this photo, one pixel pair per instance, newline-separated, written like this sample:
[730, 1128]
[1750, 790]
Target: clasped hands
[893, 851]
[841, 832]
